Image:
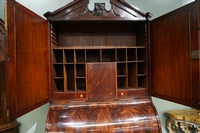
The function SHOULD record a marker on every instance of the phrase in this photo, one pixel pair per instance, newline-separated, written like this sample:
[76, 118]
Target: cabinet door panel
[28, 48]
[172, 38]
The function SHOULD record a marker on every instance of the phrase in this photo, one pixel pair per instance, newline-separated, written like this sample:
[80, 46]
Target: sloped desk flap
[103, 116]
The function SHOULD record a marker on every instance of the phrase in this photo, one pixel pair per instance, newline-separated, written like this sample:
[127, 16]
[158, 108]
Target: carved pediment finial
[99, 9]
[79, 10]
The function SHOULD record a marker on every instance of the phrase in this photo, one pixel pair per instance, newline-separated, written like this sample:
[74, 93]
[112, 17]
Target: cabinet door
[174, 68]
[28, 60]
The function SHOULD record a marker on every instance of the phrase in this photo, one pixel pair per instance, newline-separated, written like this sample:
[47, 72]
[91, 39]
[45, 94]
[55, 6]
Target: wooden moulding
[78, 10]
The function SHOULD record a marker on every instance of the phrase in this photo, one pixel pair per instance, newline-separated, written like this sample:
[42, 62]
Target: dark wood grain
[101, 80]
[100, 56]
[29, 65]
[106, 116]
[80, 37]
[78, 10]
[6, 126]
[3, 100]
[174, 74]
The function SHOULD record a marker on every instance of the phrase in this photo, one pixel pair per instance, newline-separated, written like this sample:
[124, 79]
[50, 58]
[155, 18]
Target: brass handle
[81, 96]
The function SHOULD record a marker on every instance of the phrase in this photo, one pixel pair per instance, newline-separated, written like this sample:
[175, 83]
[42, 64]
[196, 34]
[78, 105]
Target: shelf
[132, 75]
[80, 70]
[141, 75]
[97, 47]
[93, 55]
[58, 78]
[141, 54]
[79, 77]
[121, 55]
[70, 83]
[142, 68]
[121, 82]
[120, 88]
[131, 54]
[80, 45]
[108, 55]
[80, 55]
[57, 56]
[58, 70]
[81, 84]
[69, 56]
[121, 76]
[142, 81]
[59, 85]
[121, 69]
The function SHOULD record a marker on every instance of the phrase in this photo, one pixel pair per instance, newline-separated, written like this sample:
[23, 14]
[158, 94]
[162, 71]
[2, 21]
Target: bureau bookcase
[48, 60]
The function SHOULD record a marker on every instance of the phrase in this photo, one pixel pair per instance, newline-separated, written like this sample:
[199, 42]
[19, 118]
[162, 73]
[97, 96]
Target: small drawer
[81, 95]
[121, 93]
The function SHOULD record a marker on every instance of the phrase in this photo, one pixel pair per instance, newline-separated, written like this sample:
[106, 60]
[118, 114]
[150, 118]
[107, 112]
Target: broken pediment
[78, 10]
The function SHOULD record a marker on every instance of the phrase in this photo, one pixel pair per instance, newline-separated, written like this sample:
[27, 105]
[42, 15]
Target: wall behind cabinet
[2, 9]
[156, 7]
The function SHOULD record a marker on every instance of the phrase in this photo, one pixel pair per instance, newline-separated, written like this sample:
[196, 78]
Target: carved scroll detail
[172, 126]
[116, 14]
[99, 9]
[185, 127]
[197, 129]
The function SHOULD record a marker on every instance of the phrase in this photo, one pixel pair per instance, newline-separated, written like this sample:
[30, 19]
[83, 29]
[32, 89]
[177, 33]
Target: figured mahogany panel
[195, 64]
[101, 80]
[29, 60]
[104, 116]
[172, 38]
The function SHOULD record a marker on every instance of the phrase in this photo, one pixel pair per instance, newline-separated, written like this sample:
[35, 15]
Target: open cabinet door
[174, 53]
[28, 60]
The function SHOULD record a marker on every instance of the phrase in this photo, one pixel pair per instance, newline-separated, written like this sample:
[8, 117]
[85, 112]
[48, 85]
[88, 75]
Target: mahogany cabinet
[6, 126]
[47, 60]
[174, 56]
[80, 37]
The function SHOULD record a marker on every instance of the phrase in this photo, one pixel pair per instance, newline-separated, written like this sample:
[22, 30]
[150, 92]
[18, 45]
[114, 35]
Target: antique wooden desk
[104, 116]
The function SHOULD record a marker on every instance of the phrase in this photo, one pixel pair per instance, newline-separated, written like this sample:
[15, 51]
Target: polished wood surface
[101, 40]
[101, 80]
[6, 126]
[78, 10]
[103, 116]
[173, 67]
[99, 63]
[28, 53]
[3, 103]
[120, 35]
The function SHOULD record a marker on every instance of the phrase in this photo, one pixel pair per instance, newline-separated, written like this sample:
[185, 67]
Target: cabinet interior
[76, 43]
